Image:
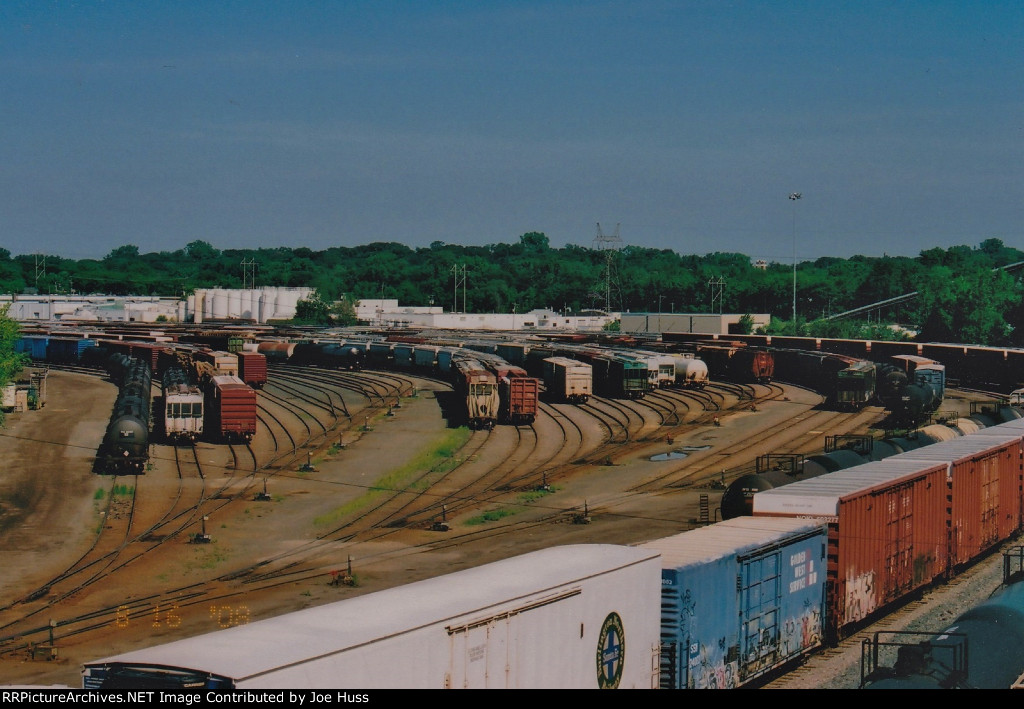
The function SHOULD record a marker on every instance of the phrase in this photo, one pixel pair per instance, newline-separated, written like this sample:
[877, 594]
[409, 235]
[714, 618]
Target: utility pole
[459, 273]
[794, 196]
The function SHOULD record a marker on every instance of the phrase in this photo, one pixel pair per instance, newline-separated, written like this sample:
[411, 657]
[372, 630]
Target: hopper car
[182, 406]
[477, 387]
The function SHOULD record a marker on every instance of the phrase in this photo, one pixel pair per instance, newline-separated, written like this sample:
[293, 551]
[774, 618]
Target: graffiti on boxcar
[860, 597]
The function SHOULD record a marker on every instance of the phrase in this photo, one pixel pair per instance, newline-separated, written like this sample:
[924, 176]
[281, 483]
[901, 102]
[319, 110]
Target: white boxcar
[568, 379]
[580, 616]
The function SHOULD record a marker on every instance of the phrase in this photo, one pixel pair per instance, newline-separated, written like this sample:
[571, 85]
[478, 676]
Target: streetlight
[794, 196]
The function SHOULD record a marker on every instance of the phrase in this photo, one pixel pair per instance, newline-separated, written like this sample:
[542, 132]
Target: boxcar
[568, 380]
[252, 368]
[569, 617]
[230, 407]
[711, 639]
[887, 532]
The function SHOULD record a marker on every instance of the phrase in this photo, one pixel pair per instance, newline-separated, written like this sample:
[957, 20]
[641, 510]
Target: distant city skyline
[688, 124]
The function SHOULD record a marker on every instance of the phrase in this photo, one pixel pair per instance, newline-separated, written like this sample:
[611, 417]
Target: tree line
[962, 295]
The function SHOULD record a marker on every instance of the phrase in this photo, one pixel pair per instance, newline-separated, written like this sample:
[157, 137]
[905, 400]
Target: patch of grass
[491, 516]
[534, 495]
[122, 491]
[439, 457]
[99, 494]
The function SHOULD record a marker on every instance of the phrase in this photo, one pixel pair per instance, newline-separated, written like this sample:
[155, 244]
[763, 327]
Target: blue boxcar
[33, 345]
[739, 599]
[67, 349]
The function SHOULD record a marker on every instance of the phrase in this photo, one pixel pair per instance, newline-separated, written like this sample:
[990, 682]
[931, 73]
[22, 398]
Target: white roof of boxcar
[957, 449]
[820, 496]
[733, 536]
[249, 650]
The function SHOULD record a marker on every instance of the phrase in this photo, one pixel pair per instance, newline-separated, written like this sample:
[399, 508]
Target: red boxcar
[230, 409]
[252, 369]
[887, 532]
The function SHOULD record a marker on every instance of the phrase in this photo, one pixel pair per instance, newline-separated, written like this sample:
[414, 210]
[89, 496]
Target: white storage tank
[569, 617]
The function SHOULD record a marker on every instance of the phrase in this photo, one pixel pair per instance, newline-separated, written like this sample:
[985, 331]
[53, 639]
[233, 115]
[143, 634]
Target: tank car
[125, 447]
[691, 373]
[982, 649]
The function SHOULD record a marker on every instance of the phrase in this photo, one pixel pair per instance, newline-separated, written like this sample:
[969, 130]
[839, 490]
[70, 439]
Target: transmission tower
[248, 274]
[40, 268]
[459, 272]
[717, 286]
[610, 245]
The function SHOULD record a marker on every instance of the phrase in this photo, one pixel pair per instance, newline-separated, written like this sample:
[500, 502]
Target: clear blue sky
[318, 124]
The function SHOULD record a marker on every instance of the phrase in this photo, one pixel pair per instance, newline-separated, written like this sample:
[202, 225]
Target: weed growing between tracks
[439, 457]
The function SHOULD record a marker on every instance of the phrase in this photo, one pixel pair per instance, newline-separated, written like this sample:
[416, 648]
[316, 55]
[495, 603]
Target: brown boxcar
[252, 369]
[230, 408]
[984, 477]
[887, 532]
[517, 393]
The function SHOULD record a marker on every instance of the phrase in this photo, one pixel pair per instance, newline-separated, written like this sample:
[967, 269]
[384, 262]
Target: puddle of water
[671, 455]
[695, 448]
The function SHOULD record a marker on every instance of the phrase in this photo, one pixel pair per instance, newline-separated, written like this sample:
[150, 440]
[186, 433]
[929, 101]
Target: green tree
[11, 362]
[313, 310]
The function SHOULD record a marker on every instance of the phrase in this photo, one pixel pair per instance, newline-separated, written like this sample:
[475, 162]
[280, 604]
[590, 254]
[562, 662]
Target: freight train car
[230, 408]
[125, 446]
[691, 372]
[774, 570]
[182, 405]
[252, 368]
[477, 388]
[887, 533]
[518, 393]
[738, 363]
[981, 649]
[570, 617]
[568, 380]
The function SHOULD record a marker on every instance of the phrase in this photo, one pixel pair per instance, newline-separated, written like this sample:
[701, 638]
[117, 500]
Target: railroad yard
[354, 482]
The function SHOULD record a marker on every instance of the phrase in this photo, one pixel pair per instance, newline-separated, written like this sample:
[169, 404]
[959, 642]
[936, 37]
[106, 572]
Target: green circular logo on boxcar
[611, 652]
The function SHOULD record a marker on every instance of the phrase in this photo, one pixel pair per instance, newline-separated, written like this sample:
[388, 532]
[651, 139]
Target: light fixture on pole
[794, 196]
